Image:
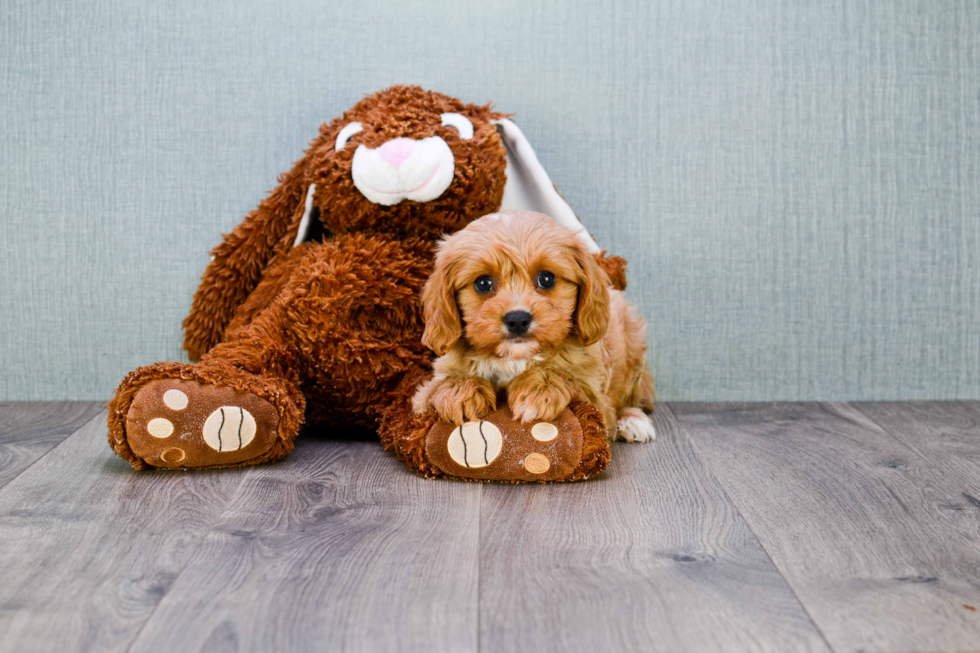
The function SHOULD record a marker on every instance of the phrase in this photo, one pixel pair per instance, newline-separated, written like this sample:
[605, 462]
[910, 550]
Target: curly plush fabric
[330, 330]
[268, 232]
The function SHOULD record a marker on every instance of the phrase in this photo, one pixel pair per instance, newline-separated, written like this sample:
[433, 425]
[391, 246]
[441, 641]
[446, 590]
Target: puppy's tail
[640, 392]
[645, 390]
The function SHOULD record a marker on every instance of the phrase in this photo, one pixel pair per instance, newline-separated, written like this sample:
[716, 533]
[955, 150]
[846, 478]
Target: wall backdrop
[796, 185]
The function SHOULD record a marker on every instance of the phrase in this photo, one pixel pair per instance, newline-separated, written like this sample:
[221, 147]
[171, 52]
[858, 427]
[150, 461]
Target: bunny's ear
[238, 263]
[529, 187]
[306, 225]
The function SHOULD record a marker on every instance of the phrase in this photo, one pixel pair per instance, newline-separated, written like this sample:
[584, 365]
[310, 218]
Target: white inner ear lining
[528, 187]
[345, 134]
[460, 122]
[304, 223]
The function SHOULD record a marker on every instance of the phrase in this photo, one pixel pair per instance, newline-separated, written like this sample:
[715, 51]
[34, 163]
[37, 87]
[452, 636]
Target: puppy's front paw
[463, 401]
[535, 398]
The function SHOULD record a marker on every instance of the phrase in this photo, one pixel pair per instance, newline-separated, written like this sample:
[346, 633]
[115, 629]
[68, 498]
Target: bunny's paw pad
[182, 424]
[501, 448]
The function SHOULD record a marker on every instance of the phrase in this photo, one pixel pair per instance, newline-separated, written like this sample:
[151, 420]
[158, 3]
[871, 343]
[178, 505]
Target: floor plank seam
[901, 443]
[101, 415]
[694, 445]
[479, 574]
[193, 555]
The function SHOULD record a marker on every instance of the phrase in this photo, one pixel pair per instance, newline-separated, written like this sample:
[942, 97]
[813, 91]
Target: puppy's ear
[592, 310]
[443, 326]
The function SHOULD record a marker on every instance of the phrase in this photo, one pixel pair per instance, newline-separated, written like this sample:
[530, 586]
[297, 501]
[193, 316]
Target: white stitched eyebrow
[460, 122]
[345, 134]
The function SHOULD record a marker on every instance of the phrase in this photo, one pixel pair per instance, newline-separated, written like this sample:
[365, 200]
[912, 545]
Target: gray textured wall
[795, 184]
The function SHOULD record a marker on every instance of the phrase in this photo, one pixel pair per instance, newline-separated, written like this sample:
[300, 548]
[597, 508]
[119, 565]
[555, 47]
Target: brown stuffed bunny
[309, 310]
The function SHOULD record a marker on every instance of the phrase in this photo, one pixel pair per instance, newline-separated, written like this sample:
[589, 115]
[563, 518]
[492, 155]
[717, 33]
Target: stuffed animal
[309, 310]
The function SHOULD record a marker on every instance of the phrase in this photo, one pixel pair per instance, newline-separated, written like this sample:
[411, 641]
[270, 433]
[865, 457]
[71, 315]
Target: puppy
[518, 305]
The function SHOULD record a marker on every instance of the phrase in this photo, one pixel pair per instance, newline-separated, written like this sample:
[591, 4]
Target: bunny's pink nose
[397, 150]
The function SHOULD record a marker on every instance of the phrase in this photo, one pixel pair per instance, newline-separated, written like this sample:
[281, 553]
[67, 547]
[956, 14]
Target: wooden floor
[749, 527]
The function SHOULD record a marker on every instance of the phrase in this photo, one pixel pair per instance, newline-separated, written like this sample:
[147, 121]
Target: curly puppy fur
[575, 339]
[330, 330]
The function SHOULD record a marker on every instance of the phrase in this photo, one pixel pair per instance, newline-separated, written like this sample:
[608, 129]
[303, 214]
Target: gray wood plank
[871, 536]
[650, 556]
[29, 429]
[88, 547]
[342, 550]
[946, 433]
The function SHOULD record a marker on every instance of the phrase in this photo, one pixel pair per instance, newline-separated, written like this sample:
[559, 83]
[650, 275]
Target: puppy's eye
[483, 285]
[345, 134]
[546, 280]
[460, 122]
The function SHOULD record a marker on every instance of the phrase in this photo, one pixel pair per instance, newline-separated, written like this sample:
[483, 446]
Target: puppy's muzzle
[517, 322]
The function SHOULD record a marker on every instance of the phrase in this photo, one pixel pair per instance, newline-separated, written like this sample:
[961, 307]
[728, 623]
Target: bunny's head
[407, 162]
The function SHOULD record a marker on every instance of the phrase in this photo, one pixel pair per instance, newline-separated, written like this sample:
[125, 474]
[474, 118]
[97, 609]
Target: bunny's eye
[546, 280]
[483, 285]
[345, 134]
[460, 122]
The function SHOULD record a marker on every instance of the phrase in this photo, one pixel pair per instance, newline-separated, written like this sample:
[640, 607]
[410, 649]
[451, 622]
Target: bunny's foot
[499, 448]
[174, 416]
[571, 447]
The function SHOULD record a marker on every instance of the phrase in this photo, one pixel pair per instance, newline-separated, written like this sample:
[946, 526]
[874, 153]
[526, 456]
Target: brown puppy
[516, 303]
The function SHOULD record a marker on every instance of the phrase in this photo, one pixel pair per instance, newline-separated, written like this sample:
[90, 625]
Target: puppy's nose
[395, 151]
[518, 322]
